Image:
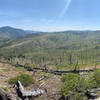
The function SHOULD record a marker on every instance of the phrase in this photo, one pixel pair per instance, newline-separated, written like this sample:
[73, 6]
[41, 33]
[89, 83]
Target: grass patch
[4, 88]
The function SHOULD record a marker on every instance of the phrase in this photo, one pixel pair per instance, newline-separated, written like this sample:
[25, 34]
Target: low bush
[73, 85]
[94, 79]
[25, 79]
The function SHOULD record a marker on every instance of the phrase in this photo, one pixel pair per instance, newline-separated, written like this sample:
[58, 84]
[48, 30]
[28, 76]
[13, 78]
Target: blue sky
[50, 15]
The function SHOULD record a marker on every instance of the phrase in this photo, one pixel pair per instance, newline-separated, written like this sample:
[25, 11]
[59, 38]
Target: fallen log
[24, 94]
[43, 77]
[60, 72]
[93, 93]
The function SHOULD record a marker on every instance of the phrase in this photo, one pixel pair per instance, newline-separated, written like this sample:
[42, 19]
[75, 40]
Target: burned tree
[27, 94]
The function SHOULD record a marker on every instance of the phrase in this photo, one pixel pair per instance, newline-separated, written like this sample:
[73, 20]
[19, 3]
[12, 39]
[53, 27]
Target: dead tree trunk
[25, 94]
[70, 59]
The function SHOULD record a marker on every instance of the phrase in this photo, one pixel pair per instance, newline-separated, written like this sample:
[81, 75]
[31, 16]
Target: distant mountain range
[32, 32]
[29, 41]
[7, 32]
[10, 32]
[49, 44]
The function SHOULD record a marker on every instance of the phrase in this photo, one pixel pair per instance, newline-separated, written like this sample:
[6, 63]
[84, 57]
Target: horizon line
[62, 30]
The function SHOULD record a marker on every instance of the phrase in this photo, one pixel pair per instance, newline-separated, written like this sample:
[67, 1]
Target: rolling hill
[8, 32]
[80, 44]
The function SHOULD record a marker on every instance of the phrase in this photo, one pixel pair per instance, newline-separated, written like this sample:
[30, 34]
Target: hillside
[7, 32]
[38, 55]
[55, 45]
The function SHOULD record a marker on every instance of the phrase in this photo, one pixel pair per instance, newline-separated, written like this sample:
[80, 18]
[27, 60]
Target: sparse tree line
[66, 60]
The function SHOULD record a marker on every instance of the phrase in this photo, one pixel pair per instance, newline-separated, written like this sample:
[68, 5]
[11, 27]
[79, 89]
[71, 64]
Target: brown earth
[51, 84]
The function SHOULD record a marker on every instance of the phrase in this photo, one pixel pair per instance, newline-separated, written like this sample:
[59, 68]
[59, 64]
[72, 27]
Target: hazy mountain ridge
[67, 40]
[7, 32]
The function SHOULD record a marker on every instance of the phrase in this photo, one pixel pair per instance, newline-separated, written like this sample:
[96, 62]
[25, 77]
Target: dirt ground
[51, 84]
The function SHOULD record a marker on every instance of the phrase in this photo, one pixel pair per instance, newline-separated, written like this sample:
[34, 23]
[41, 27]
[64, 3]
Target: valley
[22, 52]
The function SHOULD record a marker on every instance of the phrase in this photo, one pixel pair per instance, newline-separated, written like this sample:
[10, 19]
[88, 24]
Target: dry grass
[8, 71]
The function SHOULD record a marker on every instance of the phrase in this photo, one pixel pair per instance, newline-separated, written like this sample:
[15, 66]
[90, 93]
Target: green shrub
[25, 79]
[83, 84]
[70, 83]
[73, 85]
[30, 66]
[94, 79]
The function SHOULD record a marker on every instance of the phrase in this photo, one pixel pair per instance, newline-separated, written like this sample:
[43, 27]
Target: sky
[50, 15]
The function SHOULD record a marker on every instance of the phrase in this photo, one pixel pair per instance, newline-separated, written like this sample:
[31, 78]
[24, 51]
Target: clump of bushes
[25, 79]
[94, 79]
[75, 86]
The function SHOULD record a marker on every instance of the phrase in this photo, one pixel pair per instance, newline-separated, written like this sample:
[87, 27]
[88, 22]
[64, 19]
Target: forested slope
[83, 46]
